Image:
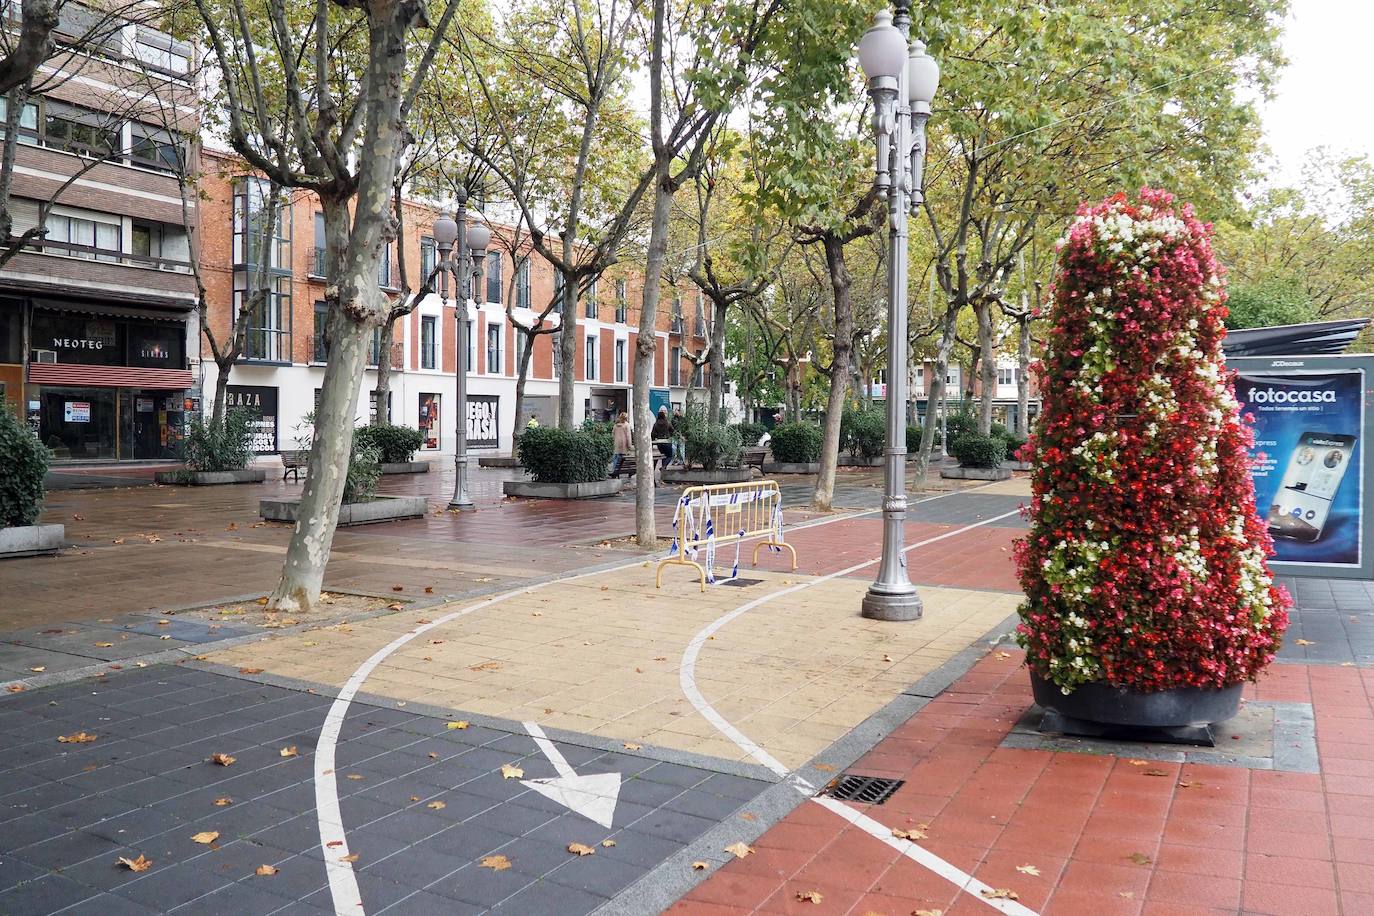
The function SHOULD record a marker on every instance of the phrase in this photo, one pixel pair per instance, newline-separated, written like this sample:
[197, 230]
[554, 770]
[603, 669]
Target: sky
[1322, 98]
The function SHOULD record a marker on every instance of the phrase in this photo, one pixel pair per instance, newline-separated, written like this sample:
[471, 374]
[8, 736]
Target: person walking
[679, 423]
[662, 433]
[624, 442]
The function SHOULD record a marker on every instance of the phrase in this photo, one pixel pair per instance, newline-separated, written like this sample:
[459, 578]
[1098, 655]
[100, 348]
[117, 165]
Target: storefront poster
[76, 411]
[658, 399]
[261, 401]
[143, 405]
[429, 420]
[1308, 461]
[484, 421]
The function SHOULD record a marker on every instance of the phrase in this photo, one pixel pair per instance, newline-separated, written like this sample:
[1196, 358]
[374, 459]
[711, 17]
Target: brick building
[283, 368]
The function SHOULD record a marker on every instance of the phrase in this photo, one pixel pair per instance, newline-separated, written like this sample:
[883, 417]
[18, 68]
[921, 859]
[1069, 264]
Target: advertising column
[1308, 461]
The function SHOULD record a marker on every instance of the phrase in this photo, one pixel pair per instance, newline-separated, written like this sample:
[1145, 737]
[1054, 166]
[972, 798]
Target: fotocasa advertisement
[1312, 477]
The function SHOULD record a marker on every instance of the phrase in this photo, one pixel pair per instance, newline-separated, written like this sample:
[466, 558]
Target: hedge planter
[695, 476]
[377, 509]
[405, 467]
[498, 461]
[791, 467]
[30, 540]
[1014, 465]
[959, 472]
[1172, 708]
[854, 461]
[589, 489]
[211, 478]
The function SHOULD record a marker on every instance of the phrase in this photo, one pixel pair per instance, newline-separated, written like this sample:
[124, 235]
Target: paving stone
[68, 849]
[550, 897]
[13, 870]
[170, 887]
[42, 896]
[423, 903]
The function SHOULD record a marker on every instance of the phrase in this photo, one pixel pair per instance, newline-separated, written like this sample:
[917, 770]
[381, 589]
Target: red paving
[1106, 835]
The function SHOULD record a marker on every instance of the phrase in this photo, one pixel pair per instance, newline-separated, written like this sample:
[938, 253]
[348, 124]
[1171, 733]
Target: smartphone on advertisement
[1315, 470]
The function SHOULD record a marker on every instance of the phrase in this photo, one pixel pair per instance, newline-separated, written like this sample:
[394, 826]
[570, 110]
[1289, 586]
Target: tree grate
[868, 790]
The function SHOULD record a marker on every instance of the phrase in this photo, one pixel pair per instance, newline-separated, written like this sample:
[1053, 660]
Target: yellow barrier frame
[733, 519]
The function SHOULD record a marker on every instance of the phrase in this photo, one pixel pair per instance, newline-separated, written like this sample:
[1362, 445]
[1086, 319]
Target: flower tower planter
[1149, 600]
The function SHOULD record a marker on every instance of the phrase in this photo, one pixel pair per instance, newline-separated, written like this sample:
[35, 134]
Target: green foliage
[553, 455]
[1269, 302]
[1011, 441]
[25, 461]
[602, 428]
[709, 445]
[863, 432]
[223, 446]
[396, 444]
[913, 440]
[974, 451]
[750, 433]
[961, 422]
[796, 443]
[364, 470]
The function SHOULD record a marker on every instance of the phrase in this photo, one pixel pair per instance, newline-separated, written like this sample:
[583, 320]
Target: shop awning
[104, 309]
[77, 376]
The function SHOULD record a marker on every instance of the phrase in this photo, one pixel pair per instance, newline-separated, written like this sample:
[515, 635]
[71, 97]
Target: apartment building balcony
[61, 266]
[318, 266]
[110, 186]
[267, 345]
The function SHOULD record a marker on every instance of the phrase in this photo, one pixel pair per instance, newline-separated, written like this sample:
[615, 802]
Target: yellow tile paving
[1016, 486]
[602, 655]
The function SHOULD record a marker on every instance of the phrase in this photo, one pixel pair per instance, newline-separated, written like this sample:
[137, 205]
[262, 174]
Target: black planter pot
[1180, 706]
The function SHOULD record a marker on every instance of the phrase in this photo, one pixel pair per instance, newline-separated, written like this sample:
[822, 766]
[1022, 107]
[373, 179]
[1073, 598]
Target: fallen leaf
[1156, 773]
[485, 666]
[1139, 858]
[739, 850]
[1188, 783]
[630, 746]
[355, 776]
[16, 688]
[809, 896]
[250, 671]
[748, 816]
[142, 863]
[39, 669]
[224, 800]
[700, 866]
[104, 645]
[164, 637]
[117, 541]
[1000, 893]
[266, 870]
[825, 768]
[76, 738]
[140, 664]
[395, 606]
[924, 913]
[334, 844]
[351, 857]
[429, 589]
[1028, 870]
[433, 755]
[495, 863]
[1305, 642]
[437, 805]
[222, 759]
[1137, 763]
[484, 579]
[608, 843]
[510, 771]
[205, 837]
[414, 798]
[887, 658]
[398, 588]
[901, 834]
[460, 724]
[163, 623]
[580, 849]
[1127, 895]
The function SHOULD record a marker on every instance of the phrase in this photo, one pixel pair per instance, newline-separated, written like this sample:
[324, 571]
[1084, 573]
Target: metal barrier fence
[709, 516]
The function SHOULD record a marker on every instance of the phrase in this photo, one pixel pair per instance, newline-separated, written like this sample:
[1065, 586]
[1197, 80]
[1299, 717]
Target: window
[429, 257]
[159, 52]
[319, 266]
[675, 367]
[698, 376]
[591, 357]
[591, 300]
[701, 317]
[385, 268]
[28, 121]
[79, 130]
[558, 292]
[677, 314]
[557, 354]
[620, 360]
[952, 376]
[319, 346]
[374, 348]
[1006, 375]
[493, 276]
[153, 148]
[83, 238]
[250, 223]
[428, 338]
[522, 284]
[622, 310]
[494, 349]
[372, 408]
[269, 324]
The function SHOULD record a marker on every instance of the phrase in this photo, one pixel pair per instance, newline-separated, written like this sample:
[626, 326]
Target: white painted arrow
[593, 796]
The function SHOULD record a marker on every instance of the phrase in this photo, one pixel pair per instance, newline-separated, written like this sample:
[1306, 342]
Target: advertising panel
[484, 421]
[1308, 462]
[261, 401]
[429, 420]
[76, 411]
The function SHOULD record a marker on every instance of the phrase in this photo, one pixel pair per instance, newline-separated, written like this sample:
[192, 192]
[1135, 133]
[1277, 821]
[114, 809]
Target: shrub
[975, 451]
[796, 443]
[364, 470]
[864, 432]
[1013, 444]
[913, 439]
[750, 433]
[599, 428]
[25, 461]
[223, 446]
[1145, 564]
[396, 444]
[712, 446]
[553, 455]
[960, 422]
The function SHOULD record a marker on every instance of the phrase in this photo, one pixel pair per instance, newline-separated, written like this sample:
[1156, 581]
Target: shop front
[108, 385]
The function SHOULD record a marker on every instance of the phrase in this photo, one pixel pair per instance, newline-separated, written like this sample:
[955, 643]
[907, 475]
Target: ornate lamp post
[471, 247]
[902, 80]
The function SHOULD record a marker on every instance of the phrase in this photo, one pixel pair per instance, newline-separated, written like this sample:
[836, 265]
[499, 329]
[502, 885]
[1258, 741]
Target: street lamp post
[902, 80]
[471, 244]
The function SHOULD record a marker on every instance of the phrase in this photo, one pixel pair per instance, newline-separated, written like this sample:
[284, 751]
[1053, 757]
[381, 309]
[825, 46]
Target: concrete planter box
[696, 476]
[854, 461]
[405, 467]
[590, 489]
[30, 540]
[379, 509]
[211, 478]
[1016, 465]
[498, 461]
[959, 472]
[791, 467]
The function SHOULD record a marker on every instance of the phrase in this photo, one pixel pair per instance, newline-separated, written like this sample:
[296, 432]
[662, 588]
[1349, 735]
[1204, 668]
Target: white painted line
[963, 880]
[343, 883]
[593, 796]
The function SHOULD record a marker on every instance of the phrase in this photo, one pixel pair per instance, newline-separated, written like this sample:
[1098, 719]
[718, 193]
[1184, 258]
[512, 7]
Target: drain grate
[869, 790]
[741, 583]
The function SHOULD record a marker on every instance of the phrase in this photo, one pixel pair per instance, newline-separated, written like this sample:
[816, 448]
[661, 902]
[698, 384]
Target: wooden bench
[630, 465]
[293, 461]
[753, 456]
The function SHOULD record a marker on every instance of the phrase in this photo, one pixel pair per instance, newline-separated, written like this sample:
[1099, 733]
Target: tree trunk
[382, 392]
[839, 372]
[645, 528]
[522, 373]
[988, 365]
[935, 392]
[1023, 358]
[716, 409]
[224, 365]
[567, 354]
